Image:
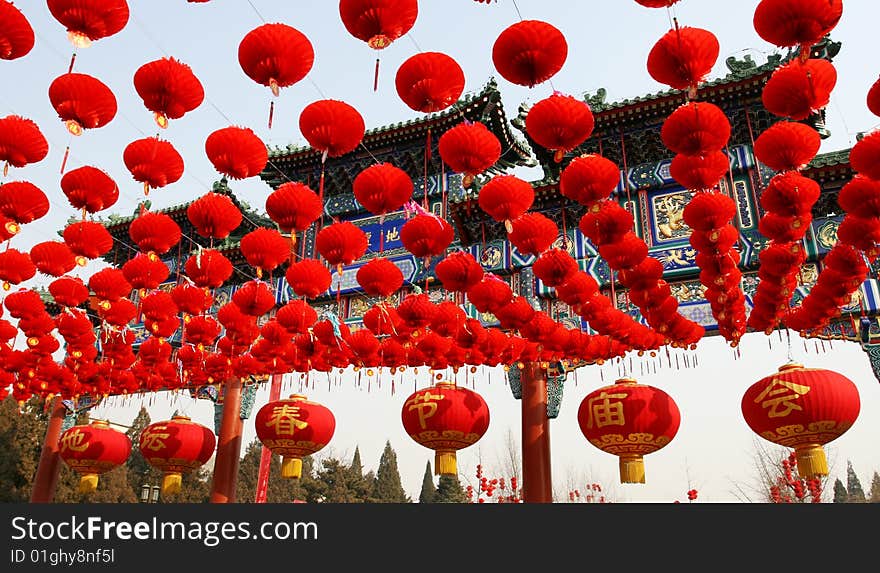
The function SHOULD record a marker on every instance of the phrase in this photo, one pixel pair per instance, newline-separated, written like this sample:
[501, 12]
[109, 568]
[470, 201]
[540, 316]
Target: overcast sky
[608, 46]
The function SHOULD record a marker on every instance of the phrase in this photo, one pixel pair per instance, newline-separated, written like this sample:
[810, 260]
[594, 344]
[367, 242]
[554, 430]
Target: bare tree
[776, 480]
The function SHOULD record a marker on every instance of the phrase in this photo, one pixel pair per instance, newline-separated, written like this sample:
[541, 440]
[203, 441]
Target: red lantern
[89, 20]
[87, 240]
[208, 268]
[154, 232]
[426, 235]
[560, 123]
[874, 98]
[68, 291]
[153, 162]
[332, 127]
[865, 156]
[293, 206]
[787, 146]
[790, 194]
[341, 243]
[656, 3]
[145, 271]
[176, 447]
[15, 267]
[696, 128]
[276, 55]
[533, 233]
[529, 52]
[683, 58]
[617, 420]
[589, 178]
[21, 142]
[555, 267]
[93, 450]
[308, 278]
[294, 428]
[506, 197]
[429, 81]
[804, 409]
[378, 22]
[236, 152]
[214, 215]
[605, 222]
[16, 34]
[382, 188]
[707, 211]
[169, 89]
[264, 249]
[380, 277]
[490, 294]
[445, 418]
[789, 23]
[22, 202]
[700, 172]
[799, 89]
[469, 148]
[296, 316]
[254, 298]
[860, 197]
[82, 102]
[90, 189]
[52, 258]
[459, 271]
[191, 299]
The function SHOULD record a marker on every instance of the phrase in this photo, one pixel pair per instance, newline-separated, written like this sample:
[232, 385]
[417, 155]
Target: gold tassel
[811, 461]
[291, 468]
[444, 463]
[632, 469]
[88, 483]
[171, 483]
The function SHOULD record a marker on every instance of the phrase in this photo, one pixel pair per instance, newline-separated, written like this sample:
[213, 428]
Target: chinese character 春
[285, 420]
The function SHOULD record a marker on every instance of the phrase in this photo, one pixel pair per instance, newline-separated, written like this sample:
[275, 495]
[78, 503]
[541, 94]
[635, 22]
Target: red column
[50, 462]
[228, 445]
[266, 453]
[537, 483]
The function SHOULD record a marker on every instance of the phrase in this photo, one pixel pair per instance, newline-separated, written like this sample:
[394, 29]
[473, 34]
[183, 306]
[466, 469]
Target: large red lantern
[506, 198]
[332, 127]
[90, 189]
[469, 148]
[16, 34]
[380, 277]
[294, 428]
[683, 58]
[153, 162]
[21, 142]
[264, 249]
[208, 268]
[629, 420]
[87, 240]
[169, 89]
[529, 52]
[445, 418]
[459, 271]
[426, 235]
[378, 22]
[864, 157]
[787, 146]
[15, 267]
[804, 409]
[341, 243]
[53, 258]
[429, 82]
[93, 450]
[799, 89]
[82, 102]
[873, 98]
[308, 278]
[236, 152]
[589, 178]
[276, 55]
[382, 188]
[560, 123]
[214, 215]
[790, 23]
[23, 202]
[293, 206]
[176, 447]
[696, 128]
[154, 232]
[89, 20]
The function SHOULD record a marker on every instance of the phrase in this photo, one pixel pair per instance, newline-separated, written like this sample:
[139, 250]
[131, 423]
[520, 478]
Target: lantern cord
[518, 13]
[64, 161]
[72, 60]
[376, 77]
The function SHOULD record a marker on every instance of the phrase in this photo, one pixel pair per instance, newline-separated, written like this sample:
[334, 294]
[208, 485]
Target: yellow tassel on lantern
[171, 483]
[811, 461]
[291, 468]
[444, 463]
[632, 469]
[88, 483]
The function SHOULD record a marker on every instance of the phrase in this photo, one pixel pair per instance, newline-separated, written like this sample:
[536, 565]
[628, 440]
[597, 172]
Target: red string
[64, 161]
[72, 60]
[376, 77]
[271, 112]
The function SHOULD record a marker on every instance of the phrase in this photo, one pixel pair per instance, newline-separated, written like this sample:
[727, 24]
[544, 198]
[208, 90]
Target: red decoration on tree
[169, 89]
[683, 58]
[382, 188]
[615, 420]
[16, 34]
[154, 232]
[236, 152]
[89, 20]
[153, 162]
[21, 142]
[93, 450]
[445, 418]
[294, 428]
[787, 146]
[293, 207]
[214, 215]
[429, 81]
[799, 89]
[308, 278]
[560, 123]
[176, 447]
[332, 127]
[529, 52]
[804, 409]
[90, 189]
[470, 149]
[87, 240]
[380, 277]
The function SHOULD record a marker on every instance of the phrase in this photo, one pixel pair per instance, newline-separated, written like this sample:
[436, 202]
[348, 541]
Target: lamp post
[149, 492]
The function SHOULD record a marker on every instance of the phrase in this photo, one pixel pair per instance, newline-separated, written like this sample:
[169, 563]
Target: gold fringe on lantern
[88, 483]
[632, 469]
[444, 463]
[811, 461]
[171, 483]
[291, 468]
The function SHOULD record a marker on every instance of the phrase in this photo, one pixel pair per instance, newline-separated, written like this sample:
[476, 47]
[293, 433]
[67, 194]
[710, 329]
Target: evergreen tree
[356, 466]
[875, 489]
[840, 495]
[338, 483]
[387, 487]
[21, 443]
[360, 485]
[429, 491]
[854, 491]
[139, 471]
[449, 490]
[279, 490]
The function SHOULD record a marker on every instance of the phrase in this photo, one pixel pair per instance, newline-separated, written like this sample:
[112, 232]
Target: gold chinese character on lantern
[75, 441]
[153, 439]
[604, 412]
[285, 420]
[425, 404]
[780, 396]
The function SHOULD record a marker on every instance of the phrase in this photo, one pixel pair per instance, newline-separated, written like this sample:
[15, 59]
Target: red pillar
[228, 445]
[537, 483]
[50, 462]
[266, 453]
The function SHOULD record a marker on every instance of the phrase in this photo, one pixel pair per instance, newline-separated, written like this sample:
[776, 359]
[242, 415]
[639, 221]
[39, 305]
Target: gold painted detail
[293, 448]
[426, 404]
[639, 443]
[793, 435]
[74, 440]
[606, 410]
[445, 440]
[780, 396]
[285, 420]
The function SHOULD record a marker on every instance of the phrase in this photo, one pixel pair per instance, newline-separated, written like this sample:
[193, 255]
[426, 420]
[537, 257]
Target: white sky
[608, 46]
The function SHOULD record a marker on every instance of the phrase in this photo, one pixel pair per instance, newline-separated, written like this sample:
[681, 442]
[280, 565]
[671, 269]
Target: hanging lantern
[787, 146]
[154, 232]
[93, 450]
[533, 233]
[145, 271]
[22, 202]
[21, 142]
[293, 207]
[380, 277]
[656, 3]
[529, 52]
[790, 23]
[254, 298]
[560, 123]
[296, 316]
[341, 243]
[378, 22]
[459, 271]
[89, 20]
[605, 222]
[490, 294]
[214, 215]
[90, 189]
[68, 291]
[860, 196]
[153, 162]
[15, 267]
[169, 89]
[589, 178]
[426, 236]
[699, 172]
[308, 278]
[87, 240]
[506, 198]
[683, 58]
[429, 82]
[615, 420]
[555, 267]
[294, 428]
[382, 188]
[208, 268]
[52, 258]
[790, 193]
[470, 149]
[332, 127]
[191, 299]
[264, 249]
[445, 418]
[864, 156]
[799, 89]
[276, 55]
[82, 102]
[236, 152]
[696, 128]
[804, 409]
[176, 447]
[874, 98]
[16, 33]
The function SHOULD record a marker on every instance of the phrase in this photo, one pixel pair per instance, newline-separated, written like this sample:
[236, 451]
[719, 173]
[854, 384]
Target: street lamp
[149, 492]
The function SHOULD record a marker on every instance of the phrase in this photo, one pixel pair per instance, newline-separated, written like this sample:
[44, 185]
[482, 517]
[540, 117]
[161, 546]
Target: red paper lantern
[236, 152]
[90, 189]
[469, 148]
[265, 249]
[804, 409]
[154, 232]
[380, 277]
[89, 20]
[506, 197]
[341, 243]
[293, 207]
[656, 3]
[332, 127]
[276, 55]
[153, 162]
[53, 258]
[82, 102]
[382, 188]
[874, 98]
[683, 57]
[555, 267]
[68, 291]
[700, 172]
[378, 22]
[21, 142]
[860, 197]
[560, 123]
[445, 418]
[169, 89]
[790, 193]
[308, 278]
[296, 316]
[15, 267]
[490, 294]
[459, 271]
[605, 222]
[529, 52]
[799, 89]
[254, 298]
[214, 215]
[707, 211]
[589, 178]
[429, 81]
[176, 447]
[208, 268]
[145, 271]
[93, 450]
[417, 311]
[787, 146]
[533, 233]
[16, 34]
[426, 235]
[191, 299]
[789, 23]
[23, 202]
[696, 128]
[578, 290]
[626, 253]
[864, 156]
[629, 420]
[87, 240]
[294, 428]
